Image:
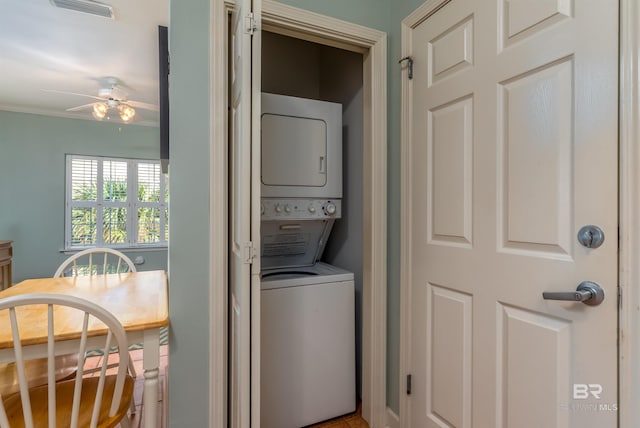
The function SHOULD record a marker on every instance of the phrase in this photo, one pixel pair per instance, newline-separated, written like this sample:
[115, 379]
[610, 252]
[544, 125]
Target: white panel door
[244, 217]
[513, 148]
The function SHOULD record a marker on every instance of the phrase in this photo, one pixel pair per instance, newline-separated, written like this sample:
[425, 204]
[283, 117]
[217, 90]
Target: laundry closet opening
[298, 68]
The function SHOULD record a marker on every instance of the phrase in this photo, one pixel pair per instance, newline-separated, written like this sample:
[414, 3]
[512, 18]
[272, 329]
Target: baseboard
[393, 420]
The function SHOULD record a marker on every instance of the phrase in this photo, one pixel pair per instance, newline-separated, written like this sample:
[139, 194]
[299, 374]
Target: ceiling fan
[112, 98]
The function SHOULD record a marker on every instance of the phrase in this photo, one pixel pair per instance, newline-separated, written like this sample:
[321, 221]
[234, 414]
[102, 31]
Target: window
[112, 202]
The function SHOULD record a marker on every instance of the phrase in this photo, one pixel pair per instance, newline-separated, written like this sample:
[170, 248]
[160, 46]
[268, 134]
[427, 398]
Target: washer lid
[320, 273]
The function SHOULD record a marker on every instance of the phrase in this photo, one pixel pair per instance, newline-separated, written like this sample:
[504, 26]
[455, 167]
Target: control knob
[312, 209]
[287, 209]
[278, 208]
[330, 209]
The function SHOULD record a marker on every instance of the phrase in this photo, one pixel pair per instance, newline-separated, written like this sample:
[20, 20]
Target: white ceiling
[45, 47]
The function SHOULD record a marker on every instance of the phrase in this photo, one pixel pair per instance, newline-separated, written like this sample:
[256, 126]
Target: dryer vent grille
[85, 6]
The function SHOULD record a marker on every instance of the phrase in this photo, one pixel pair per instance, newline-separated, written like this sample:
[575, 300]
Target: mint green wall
[189, 255]
[32, 182]
[370, 13]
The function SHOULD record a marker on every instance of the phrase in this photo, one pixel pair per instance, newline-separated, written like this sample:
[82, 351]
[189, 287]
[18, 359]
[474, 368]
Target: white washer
[307, 346]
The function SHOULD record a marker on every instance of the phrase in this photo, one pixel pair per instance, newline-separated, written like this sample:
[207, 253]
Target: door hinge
[250, 25]
[249, 253]
[408, 384]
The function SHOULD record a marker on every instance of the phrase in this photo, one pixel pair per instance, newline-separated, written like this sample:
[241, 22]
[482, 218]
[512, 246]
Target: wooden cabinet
[6, 252]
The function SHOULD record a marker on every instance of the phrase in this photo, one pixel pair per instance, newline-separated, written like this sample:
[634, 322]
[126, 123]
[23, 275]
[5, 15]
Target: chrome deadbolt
[588, 292]
[590, 236]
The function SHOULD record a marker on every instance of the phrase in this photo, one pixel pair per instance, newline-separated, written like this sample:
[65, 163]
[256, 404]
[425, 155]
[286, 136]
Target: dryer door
[294, 151]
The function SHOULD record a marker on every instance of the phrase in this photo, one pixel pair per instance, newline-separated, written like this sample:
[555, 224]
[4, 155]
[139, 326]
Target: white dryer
[301, 142]
[307, 345]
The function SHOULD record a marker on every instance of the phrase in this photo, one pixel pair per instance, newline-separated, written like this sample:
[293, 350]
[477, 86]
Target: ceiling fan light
[126, 113]
[99, 110]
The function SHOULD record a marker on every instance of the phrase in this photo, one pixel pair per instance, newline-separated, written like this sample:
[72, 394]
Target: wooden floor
[353, 420]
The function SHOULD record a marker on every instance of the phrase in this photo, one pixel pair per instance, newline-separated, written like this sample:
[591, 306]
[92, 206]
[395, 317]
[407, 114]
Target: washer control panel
[300, 209]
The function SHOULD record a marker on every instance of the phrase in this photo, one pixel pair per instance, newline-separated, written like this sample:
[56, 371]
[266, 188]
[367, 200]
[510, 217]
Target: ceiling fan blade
[82, 107]
[145, 106]
[73, 93]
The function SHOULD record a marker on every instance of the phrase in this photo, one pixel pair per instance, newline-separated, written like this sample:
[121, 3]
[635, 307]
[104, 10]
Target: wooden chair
[97, 402]
[95, 261]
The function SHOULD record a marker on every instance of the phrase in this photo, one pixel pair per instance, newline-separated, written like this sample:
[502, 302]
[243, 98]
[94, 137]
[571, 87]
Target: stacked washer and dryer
[307, 306]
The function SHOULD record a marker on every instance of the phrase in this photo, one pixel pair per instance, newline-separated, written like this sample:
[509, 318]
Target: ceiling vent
[86, 6]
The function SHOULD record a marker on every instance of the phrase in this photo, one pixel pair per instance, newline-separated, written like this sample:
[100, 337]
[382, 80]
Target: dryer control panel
[300, 209]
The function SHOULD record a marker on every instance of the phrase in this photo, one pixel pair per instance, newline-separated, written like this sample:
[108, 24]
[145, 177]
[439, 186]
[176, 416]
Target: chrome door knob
[590, 236]
[588, 292]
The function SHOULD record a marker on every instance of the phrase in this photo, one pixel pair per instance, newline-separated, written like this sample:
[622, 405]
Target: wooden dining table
[139, 300]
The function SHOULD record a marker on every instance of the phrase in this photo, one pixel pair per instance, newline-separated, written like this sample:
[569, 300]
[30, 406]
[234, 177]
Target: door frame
[629, 211]
[629, 226]
[302, 24]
